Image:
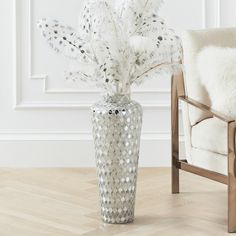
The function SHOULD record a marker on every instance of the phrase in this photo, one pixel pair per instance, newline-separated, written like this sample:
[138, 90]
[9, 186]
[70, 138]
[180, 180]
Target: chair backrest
[193, 42]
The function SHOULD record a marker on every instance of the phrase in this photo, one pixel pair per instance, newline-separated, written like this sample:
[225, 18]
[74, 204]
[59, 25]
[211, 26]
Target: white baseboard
[72, 150]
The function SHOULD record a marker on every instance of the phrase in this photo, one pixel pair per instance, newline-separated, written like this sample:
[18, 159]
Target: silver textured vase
[117, 122]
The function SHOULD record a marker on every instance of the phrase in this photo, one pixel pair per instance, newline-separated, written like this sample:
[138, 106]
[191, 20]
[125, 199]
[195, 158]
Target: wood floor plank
[64, 202]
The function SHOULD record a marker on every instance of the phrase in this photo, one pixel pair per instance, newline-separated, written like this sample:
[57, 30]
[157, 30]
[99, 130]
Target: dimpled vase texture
[117, 125]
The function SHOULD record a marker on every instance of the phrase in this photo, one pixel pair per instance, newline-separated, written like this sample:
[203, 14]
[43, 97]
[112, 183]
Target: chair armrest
[206, 108]
[179, 86]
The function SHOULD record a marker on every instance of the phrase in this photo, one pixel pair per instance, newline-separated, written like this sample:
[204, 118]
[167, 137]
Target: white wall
[44, 120]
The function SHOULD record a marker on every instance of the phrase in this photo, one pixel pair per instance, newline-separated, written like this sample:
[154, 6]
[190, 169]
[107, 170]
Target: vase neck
[117, 98]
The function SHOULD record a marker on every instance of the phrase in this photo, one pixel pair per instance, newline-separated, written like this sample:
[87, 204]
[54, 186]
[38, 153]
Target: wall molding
[16, 55]
[47, 90]
[81, 106]
[218, 13]
[86, 105]
[204, 14]
[212, 13]
[69, 136]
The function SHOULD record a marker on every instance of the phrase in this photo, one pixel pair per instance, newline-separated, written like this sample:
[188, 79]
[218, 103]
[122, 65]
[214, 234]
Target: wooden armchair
[202, 159]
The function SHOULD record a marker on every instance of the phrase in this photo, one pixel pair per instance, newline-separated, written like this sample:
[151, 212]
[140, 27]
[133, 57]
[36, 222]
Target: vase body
[117, 125]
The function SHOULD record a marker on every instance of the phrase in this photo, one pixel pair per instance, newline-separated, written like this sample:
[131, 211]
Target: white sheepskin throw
[217, 69]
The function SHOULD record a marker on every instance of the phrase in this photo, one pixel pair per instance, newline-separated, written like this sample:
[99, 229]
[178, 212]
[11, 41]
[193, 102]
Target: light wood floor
[64, 202]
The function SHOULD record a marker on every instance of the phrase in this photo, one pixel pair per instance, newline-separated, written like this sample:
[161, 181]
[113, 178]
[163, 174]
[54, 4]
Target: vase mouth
[117, 98]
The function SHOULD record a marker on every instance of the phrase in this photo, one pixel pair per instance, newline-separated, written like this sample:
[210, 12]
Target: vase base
[115, 221]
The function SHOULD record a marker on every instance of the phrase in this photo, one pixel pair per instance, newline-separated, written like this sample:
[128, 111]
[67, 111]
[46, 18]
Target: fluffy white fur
[217, 69]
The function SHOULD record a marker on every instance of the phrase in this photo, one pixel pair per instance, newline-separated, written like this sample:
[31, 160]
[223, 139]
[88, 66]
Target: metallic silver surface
[117, 125]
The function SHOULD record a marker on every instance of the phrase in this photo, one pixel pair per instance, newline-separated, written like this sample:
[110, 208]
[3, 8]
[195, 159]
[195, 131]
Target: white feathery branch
[118, 43]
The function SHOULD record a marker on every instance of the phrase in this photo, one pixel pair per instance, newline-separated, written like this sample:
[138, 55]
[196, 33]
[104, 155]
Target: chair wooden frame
[178, 94]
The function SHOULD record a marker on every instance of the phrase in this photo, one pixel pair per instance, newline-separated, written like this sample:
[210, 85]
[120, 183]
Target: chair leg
[231, 178]
[232, 206]
[174, 135]
[175, 179]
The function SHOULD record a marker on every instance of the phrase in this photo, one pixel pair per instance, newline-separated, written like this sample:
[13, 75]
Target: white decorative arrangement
[118, 43]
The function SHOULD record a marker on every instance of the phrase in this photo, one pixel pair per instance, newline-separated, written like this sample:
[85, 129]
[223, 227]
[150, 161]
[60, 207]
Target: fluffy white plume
[116, 44]
[65, 39]
[137, 13]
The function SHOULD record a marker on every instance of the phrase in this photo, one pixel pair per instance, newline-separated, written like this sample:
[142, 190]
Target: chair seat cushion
[209, 160]
[210, 135]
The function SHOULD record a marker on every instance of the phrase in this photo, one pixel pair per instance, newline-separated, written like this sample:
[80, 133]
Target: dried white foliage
[117, 43]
